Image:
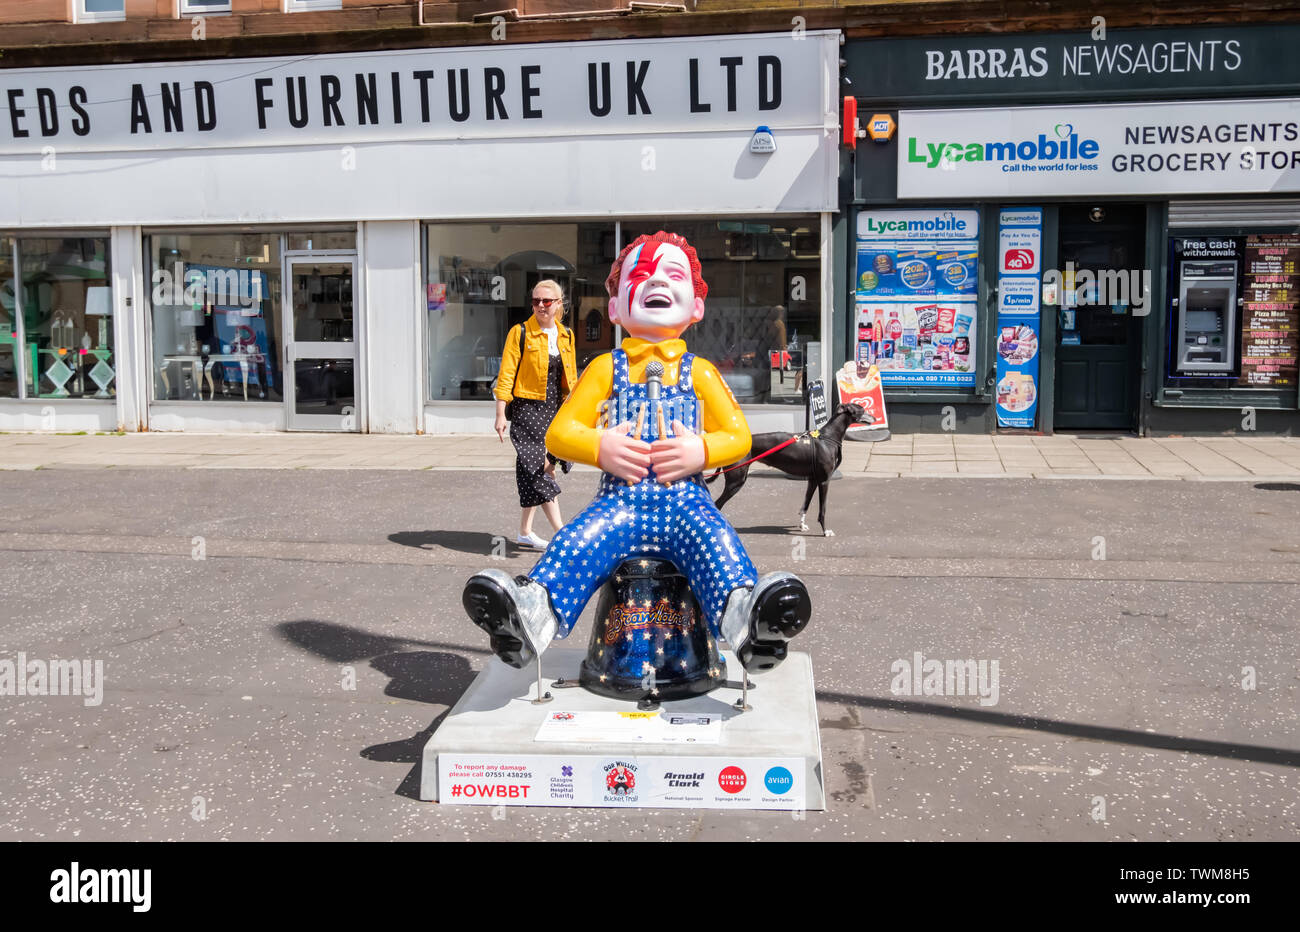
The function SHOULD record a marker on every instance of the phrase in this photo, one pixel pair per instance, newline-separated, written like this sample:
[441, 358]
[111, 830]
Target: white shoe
[531, 540]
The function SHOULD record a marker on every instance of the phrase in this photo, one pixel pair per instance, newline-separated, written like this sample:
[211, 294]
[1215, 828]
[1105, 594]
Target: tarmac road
[1120, 714]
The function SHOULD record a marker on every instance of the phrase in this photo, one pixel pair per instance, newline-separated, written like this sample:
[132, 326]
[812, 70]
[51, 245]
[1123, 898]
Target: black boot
[515, 612]
[760, 626]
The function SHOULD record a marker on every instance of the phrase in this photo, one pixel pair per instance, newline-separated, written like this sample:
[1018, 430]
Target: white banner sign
[708, 83]
[1226, 147]
[622, 781]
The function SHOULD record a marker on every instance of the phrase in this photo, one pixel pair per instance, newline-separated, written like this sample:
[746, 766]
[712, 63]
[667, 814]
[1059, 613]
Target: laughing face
[656, 298]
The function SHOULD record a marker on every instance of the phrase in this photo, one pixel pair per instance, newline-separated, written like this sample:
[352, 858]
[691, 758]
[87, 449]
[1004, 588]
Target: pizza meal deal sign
[1196, 147]
[627, 781]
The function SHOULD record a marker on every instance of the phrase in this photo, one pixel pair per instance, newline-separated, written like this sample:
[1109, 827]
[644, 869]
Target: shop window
[1234, 312]
[479, 279]
[301, 6]
[322, 241]
[100, 11]
[10, 339]
[762, 318]
[56, 310]
[215, 302]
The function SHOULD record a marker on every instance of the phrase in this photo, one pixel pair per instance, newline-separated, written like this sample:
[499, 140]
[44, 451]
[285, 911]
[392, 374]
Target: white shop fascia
[653, 128]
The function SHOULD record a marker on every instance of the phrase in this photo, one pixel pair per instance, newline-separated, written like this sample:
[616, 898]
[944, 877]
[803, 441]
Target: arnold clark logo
[1049, 150]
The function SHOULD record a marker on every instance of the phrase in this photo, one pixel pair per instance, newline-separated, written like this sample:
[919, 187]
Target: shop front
[1138, 228]
[343, 242]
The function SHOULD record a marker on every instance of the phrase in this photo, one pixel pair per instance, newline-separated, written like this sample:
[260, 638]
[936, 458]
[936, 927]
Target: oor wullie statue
[652, 500]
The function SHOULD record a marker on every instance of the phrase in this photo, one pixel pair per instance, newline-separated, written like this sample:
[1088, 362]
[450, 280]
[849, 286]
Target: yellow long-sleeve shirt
[574, 436]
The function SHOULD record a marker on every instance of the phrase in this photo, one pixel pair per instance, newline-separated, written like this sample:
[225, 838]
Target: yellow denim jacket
[574, 434]
[527, 379]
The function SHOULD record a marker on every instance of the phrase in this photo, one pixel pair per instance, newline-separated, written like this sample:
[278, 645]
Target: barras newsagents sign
[1237, 147]
[1124, 63]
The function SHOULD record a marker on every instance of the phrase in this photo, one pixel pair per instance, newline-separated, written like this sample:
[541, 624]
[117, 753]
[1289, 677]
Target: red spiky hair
[672, 239]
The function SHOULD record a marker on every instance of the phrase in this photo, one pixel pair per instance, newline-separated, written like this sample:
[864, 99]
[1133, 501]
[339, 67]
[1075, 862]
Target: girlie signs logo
[732, 779]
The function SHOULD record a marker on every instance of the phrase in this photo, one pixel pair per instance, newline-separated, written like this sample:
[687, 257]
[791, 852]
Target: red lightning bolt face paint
[643, 267]
[660, 273]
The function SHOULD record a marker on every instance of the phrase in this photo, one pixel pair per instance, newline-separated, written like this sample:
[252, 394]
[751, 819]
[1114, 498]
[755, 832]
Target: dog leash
[779, 446]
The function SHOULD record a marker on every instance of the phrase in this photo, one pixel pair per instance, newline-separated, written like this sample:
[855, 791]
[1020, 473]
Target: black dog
[812, 457]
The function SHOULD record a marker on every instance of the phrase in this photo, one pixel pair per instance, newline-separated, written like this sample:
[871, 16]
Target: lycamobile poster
[916, 288]
[1020, 240]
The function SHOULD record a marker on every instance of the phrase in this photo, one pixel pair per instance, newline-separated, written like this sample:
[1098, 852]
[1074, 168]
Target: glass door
[321, 359]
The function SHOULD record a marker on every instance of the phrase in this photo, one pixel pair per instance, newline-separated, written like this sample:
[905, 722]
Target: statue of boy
[652, 500]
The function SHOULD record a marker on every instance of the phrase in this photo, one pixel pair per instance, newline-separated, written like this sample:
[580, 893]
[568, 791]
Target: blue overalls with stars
[676, 522]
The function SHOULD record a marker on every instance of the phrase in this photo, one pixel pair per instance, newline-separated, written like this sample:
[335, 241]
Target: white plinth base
[486, 751]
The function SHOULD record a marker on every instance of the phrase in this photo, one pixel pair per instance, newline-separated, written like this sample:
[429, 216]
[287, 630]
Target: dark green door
[1099, 339]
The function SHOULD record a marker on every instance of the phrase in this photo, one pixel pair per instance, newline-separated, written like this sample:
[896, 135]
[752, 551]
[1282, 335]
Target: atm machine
[1205, 313]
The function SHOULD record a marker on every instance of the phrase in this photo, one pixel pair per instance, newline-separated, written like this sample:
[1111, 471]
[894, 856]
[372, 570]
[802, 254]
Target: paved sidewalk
[909, 455]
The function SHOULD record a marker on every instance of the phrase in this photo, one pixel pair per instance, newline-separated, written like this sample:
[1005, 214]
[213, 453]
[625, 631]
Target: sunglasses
[544, 302]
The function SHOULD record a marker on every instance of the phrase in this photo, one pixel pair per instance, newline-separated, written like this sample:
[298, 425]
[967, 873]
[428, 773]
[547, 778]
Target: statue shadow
[479, 543]
[436, 677]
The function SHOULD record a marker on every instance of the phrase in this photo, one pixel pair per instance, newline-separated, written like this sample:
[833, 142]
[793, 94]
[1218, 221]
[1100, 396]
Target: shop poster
[861, 385]
[1270, 325]
[1020, 241]
[819, 414]
[916, 295]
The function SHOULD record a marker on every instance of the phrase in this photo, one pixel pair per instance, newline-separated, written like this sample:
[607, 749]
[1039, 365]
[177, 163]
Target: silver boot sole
[516, 615]
[759, 622]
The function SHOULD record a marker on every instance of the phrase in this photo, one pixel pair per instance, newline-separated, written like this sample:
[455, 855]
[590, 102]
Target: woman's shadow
[438, 677]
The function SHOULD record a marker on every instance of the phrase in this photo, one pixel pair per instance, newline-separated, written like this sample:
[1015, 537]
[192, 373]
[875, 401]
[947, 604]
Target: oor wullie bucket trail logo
[620, 778]
[1051, 149]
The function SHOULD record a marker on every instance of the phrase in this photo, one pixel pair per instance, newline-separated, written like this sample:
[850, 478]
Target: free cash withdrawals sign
[1228, 147]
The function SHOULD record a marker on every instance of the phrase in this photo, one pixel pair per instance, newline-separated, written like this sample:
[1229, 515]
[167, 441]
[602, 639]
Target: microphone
[654, 382]
[654, 379]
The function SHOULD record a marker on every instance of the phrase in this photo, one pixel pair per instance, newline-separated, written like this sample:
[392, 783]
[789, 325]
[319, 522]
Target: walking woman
[538, 370]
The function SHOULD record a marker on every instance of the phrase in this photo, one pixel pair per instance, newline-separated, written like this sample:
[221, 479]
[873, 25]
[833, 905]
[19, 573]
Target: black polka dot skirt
[528, 433]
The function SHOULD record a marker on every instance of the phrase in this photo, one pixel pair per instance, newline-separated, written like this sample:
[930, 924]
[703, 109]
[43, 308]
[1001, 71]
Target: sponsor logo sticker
[732, 779]
[778, 781]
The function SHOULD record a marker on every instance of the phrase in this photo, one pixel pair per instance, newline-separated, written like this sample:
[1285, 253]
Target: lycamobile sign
[940, 224]
[1062, 145]
[1212, 147]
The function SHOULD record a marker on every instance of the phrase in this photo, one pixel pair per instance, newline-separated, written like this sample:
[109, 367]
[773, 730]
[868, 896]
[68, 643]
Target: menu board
[1270, 325]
